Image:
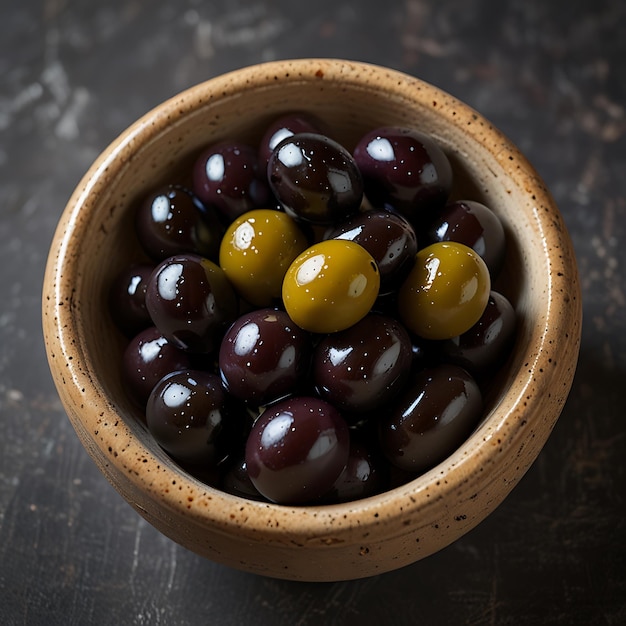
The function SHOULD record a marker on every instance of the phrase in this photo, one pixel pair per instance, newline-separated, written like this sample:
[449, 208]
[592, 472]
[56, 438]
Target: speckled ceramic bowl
[317, 543]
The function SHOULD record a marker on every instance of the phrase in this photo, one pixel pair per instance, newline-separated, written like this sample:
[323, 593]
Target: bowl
[95, 239]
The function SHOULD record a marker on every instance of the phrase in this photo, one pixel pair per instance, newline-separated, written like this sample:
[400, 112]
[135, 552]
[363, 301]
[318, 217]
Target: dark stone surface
[550, 74]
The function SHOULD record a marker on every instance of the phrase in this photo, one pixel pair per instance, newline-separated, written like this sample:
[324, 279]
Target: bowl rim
[67, 358]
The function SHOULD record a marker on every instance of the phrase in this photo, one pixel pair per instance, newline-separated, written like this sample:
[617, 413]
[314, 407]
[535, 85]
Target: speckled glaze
[95, 239]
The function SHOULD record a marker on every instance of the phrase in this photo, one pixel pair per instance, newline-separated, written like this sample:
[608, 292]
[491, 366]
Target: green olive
[331, 286]
[256, 251]
[446, 292]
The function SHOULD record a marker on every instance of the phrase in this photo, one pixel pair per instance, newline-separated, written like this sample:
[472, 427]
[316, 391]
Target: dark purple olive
[147, 358]
[127, 298]
[487, 344]
[364, 366]
[297, 449]
[172, 220]
[405, 170]
[474, 225]
[365, 475]
[315, 179]
[227, 176]
[264, 356]
[438, 410]
[236, 481]
[283, 127]
[191, 302]
[191, 417]
[388, 237]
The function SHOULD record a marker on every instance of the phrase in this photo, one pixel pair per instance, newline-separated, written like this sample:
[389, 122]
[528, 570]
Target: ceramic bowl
[95, 239]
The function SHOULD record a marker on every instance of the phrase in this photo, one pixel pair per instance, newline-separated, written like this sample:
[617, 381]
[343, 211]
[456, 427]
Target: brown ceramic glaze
[318, 543]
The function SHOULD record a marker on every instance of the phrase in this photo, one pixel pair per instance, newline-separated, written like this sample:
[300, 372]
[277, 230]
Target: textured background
[549, 74]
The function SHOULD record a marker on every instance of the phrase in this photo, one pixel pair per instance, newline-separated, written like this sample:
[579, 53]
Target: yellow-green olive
[256, 251]
[331, 286]
[446, 292]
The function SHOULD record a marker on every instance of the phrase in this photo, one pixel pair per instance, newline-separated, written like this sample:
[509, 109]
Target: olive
[264, 356]
[315, 178]
[438, 410]
[192, 418]
[172, 220]
[286, 126]
[236, 481]
[297, 449]
[446, 292]
[365, 474]
[191, 302]
[475, 225]
[405, 170]
[330, 286]
[486, 344]
[256, 251]
[146, 359]
[388, 237]
[364, 366]
[227, 176]
[127, 298]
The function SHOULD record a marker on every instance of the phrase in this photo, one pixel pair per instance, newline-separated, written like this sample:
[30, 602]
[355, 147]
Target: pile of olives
[310, 324]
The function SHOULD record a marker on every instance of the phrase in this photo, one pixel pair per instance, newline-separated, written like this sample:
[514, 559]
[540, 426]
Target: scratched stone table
[550, 74]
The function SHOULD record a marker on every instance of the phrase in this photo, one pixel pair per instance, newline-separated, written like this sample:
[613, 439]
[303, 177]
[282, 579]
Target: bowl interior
[166, 156]
[96, 239]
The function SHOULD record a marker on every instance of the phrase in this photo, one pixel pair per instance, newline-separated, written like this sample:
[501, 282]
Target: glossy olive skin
[475, 225]
[388, 237]
[127, 298]
[191, 302]
[236, 481]
[330, 286]
[286, 126]
[365, 474]
[404, 169]
[192, 419]
[446, 292]
[297, 449]
[256, 251]
[431, 419]
[227, 176]
[486, 344]
[363, 367]
[172, 220]
[264, 356]
[146, 359]
[315, 179]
